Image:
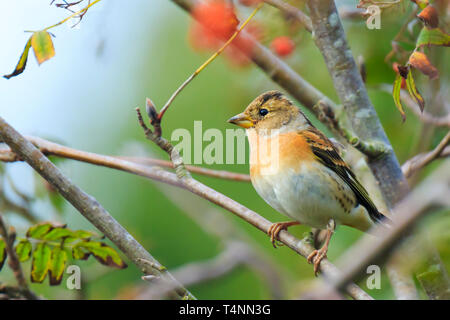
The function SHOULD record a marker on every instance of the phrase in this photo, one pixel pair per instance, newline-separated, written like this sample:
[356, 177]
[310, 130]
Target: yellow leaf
[413, 92]
[42, 44]
[22, 62]
[396, 95]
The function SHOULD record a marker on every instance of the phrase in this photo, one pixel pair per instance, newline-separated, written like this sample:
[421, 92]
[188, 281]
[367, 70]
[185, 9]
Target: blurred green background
[123, 52]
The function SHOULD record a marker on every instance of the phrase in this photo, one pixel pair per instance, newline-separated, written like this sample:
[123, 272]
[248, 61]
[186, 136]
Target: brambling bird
[298, 171]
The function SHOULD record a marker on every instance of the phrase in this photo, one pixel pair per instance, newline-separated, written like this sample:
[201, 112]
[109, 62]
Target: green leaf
[396, 95]
[432, 37]
[20, 67]
[78, 253]
[104, 254]
[23, 250]
[413, 92]
[41, 262]
[57, 265]
[2, 252]
[82, 234]
[58, 233]
[38, 231]
[42, 44]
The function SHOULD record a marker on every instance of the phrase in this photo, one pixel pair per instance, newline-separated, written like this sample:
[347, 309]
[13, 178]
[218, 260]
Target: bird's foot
[275, 229]
[316, 257]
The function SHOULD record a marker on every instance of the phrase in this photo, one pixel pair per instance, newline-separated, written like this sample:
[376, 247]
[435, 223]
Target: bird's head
[270, 110]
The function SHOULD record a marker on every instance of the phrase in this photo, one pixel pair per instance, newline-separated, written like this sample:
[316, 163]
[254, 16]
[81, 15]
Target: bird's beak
[241, 120]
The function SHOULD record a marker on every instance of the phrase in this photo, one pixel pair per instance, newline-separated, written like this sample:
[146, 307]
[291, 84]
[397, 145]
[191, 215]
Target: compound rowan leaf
[41, 262]
[82, 234]
[396, 95]
[58, 233]
[23, 250]
[42, 44]
[419, 60]
[413, 92]
[432, 37]
[104, 254]
[78, 253]
[57, 265]
[20, 67]
[2, 252]
[38, 231]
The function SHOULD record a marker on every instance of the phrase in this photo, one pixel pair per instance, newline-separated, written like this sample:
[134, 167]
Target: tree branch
[186, 181]
[433, 191]
[291, 81]
[300, 246]
[330, 38]
[87, 206]
[292, 11]
[421, 160]
[13, 261]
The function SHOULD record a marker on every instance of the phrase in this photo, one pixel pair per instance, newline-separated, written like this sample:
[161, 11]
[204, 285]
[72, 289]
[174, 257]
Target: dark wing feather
[326, 152]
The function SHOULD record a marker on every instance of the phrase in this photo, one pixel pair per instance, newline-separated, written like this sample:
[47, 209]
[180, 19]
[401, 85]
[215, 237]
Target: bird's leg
[275, 229]
[317, 255]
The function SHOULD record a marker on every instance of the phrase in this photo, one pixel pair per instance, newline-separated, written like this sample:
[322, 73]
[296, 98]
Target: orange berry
[217, 18]
[282, 46]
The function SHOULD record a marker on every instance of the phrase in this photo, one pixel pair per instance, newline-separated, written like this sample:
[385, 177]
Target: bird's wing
[326, 152]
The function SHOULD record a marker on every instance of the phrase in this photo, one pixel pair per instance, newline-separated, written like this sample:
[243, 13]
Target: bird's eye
[263, 112]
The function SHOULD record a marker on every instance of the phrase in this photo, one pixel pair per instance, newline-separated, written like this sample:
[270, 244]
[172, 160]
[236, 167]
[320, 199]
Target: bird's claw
[275, 229]
[316, 257]
[273, 232]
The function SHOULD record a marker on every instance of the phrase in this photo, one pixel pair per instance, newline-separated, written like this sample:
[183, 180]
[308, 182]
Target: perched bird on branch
[297, 170]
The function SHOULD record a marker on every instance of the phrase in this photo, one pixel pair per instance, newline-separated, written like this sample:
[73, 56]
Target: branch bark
[13, 261]
[433, 191]
[421, 160]
[300, 246]
[88, 207]
[300, 89]
[292, 11]
[330, 38]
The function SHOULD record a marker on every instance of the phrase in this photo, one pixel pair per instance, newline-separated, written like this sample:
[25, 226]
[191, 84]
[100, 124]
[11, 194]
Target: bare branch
[236, 254]
[292, 11]
[331, 40]
[186, 181]
[300, 246]
[87, 206]
[291, 81]
[13, 260]
[433, 191]
[421, 160]
[51, 148]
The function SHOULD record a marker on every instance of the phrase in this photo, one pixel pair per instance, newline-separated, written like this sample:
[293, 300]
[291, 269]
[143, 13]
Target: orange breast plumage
[271, 153]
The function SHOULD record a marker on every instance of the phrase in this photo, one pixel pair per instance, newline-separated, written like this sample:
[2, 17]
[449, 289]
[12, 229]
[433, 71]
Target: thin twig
[88, 207]
[185, 180]
[207, 62]
[288, 79]
[292, 11]
[13, 260]
[79, 13]
[331, 40]
[433, 191]
[54, 149]
[421, 160]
